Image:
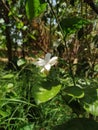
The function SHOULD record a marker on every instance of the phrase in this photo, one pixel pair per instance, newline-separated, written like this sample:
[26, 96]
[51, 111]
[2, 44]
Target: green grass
[17, 107]
[18, 110]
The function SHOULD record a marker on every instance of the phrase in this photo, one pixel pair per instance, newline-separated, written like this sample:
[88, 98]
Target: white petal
[47, 57]
[53, 60]
[40, 62]
[47, 67]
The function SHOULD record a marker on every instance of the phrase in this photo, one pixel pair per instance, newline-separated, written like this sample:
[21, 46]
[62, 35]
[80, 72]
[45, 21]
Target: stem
[70, 66]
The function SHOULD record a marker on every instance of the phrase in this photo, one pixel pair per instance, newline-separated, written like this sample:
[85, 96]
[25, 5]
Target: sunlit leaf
[9, 87]
[8, 76]
[34, 8]
[45, 92]
[4, 113]
[21, 62]
[90, 101]
[19, 25]
[92, 108]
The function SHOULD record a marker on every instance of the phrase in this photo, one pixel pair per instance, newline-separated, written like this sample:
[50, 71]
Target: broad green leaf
[8, 76]
[42, 8]
[45, 92]
[78, 124]
[92, 108]
[90, 95]
[90, 101]
[34, 8]
[73, 24]
[75, 92]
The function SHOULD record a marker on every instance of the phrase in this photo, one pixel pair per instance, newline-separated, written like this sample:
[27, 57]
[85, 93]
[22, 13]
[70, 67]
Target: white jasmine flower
[47, 62]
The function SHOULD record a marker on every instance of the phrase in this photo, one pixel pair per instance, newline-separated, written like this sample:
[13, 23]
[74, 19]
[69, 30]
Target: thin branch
[9, 10]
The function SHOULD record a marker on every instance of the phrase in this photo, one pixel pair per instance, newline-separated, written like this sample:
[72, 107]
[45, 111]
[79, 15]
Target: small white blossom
[1, 20]
[47, 62]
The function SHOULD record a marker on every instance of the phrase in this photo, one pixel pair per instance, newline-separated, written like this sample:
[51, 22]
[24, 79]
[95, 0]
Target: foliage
[79, 124]
[34, 99]
[73, 24]
[34, 8]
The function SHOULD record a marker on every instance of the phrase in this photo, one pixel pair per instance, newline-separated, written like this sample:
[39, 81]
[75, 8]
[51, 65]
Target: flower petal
[53, 60]
[40, 62]
[47, 57]
[47, 67]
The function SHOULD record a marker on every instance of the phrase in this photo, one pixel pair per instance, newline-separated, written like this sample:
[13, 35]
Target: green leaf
[8, 76]
[90, 101]
[31, 8]
[92, 108]
[42, 8]
[34, 8]
[45, 91]
[19, 25]
[90, 95]
[4, 113]
[21, 62]
[75, 92]
[9, 87]
[78, 124]
[27, 127]
[73, 24]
